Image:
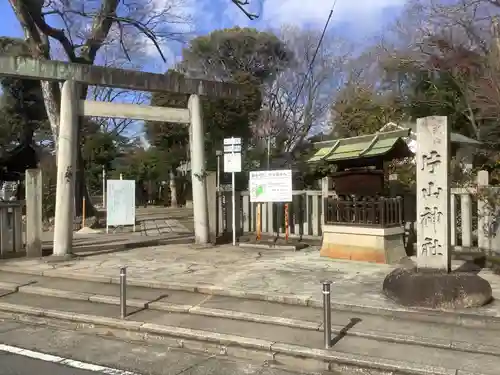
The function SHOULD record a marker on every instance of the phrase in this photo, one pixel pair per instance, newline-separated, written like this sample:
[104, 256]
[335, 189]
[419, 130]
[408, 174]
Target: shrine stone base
[436, 289]
[379, 245]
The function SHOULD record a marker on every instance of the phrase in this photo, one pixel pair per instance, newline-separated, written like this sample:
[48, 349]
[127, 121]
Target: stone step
[291, 347]
[395, 327]
[371, 327]
[485, 318]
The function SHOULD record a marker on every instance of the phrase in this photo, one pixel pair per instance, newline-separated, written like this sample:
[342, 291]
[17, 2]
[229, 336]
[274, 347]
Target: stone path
[162, 226]
[155, 221]
[296, 274]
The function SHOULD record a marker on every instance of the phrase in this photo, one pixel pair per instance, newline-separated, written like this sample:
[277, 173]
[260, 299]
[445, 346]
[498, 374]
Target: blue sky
[9, 25]
[357, 20]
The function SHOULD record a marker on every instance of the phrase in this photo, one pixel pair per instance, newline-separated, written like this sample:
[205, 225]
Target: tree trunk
[173, 188]
[81, 190]
[51, 93]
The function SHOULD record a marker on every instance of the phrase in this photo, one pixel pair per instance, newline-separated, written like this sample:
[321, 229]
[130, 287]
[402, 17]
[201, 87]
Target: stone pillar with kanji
[433, 193]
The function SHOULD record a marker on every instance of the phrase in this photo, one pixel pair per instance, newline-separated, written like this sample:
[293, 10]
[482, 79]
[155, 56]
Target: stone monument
[433, 196]
[431, 282]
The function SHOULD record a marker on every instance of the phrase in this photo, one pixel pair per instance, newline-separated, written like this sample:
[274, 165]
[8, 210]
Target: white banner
[120, 198]
[271, 186]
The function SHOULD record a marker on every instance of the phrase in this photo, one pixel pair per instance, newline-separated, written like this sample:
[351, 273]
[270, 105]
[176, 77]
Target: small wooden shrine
[360, 160]
[361, 222]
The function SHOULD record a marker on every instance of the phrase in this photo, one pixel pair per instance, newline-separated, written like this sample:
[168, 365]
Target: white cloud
[316, 11]
[365, 15]
[170, 16]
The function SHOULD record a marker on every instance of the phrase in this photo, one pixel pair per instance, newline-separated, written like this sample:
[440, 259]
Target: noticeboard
[120, 198]
[271, 186]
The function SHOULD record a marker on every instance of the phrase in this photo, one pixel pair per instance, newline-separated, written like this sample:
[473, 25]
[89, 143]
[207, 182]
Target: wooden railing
[381, 212]
[307, 213]
[304, 214]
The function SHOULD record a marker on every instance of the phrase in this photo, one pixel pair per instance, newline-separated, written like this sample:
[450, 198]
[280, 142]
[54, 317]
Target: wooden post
[83, 212]
[286, 222]
[258, 224]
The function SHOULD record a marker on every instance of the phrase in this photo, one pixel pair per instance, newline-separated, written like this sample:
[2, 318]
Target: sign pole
[234, 199]
[107, 209]
[232, 164]
[103, 187]
[234, 209]
[218, 154]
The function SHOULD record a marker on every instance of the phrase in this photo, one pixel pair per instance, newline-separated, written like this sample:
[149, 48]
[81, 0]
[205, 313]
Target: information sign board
[271, 186]
[120, 209]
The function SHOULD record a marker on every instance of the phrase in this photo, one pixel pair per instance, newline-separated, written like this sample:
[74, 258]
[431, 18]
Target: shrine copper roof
[365, 146]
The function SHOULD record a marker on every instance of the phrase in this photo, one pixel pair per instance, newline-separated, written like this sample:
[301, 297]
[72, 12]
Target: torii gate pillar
[198, 173]
[66, 170]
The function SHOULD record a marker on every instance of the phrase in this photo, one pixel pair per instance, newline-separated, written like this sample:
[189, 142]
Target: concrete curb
[260, 318]
[285, 354]
[106, 248]
[460, 318]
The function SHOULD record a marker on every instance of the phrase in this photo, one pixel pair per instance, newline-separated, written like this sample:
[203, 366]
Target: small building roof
[412, 126]
[365, 146]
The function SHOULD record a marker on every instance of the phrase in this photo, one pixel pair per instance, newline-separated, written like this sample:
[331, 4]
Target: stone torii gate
[71, 107]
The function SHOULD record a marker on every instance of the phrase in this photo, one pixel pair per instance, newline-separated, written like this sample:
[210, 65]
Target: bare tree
[441, 37]
[297, 101]
[88, 26]
[115, 26]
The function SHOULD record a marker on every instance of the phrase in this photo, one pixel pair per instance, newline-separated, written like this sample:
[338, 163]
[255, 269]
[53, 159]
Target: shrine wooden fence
[382, 212]
[306, 213]
[474, 215]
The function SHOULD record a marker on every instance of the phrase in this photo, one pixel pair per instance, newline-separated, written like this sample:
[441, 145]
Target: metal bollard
[327, 314]
[123, 292]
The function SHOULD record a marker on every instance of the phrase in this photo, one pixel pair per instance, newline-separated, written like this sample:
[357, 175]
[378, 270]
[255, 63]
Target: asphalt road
[124, 356]
[13, 364]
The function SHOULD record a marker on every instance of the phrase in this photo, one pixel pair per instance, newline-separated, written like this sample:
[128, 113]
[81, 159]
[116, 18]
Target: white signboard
[231, 148]
[232, 162]
[120, 198]
[232, 141]
[271, 186]
[232, 155]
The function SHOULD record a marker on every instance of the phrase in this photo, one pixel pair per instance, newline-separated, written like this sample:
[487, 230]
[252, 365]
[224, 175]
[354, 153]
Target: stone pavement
[292, 276]
[162, 226]
[85, 244]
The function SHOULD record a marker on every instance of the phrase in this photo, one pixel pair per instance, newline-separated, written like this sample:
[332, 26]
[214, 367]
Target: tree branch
[100, 29]
[57, 34]
[242, 4]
